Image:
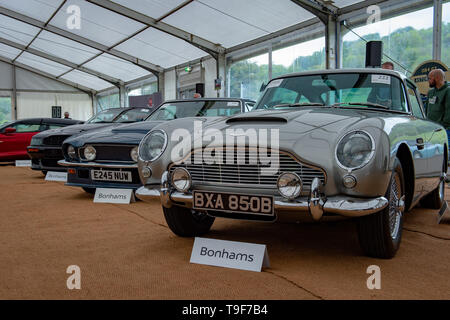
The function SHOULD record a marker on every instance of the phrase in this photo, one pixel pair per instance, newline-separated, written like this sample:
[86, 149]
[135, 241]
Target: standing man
[66, 115]
[438, 105]
[388, 65]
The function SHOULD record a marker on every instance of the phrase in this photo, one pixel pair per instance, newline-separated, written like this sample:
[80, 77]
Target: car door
[428, 156]
[13, 146]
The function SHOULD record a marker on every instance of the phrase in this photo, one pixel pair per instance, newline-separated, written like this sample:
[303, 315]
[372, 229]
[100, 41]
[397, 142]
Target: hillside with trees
[407, 46]
[5, 109]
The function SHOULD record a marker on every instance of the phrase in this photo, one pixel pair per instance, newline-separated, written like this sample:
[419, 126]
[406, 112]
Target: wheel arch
[406, 160]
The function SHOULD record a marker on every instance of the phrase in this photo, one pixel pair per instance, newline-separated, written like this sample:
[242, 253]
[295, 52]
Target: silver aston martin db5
[351, 143]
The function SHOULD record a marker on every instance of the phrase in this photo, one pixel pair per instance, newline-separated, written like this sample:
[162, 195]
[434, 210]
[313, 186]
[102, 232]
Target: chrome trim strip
[64, 163]
[343, 206]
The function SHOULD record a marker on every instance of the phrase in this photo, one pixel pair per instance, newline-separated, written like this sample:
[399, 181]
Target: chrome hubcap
[396, 207]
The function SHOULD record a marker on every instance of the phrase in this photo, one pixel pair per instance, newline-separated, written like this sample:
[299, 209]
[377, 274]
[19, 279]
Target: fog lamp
[181, 179]
[289, 185]
[146, 172]
[349, 181]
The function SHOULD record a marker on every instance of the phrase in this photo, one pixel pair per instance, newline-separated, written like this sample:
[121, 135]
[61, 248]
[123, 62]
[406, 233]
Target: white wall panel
[210, 76]
[170, 85]
[30, 81]
[5, 76]
[39, 104]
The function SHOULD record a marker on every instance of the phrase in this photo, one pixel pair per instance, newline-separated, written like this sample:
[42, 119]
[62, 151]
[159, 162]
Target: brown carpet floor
[127, 252]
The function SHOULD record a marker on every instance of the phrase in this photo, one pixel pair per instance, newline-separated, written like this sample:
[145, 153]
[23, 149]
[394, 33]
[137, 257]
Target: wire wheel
[395, 211]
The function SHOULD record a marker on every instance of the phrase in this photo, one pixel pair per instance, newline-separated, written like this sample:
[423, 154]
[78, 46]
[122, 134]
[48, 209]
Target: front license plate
[118, 176]
[229, 202]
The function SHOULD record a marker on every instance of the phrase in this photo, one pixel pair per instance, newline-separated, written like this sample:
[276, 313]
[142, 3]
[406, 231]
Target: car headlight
[153, 145]
[355, 150]
[289, 185]
[71, 152]
[134, 154]
[90, 153]
[36, 141]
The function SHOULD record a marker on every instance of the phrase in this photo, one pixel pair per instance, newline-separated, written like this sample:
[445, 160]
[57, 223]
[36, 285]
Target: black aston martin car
[45, 148]
[108, 158]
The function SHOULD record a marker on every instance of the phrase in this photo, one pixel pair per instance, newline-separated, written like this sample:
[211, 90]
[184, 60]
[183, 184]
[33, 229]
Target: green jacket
[438, 105]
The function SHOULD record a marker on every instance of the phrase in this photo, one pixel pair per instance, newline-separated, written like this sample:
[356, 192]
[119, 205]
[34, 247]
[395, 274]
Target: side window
[415, 104]
[54, 126]
[26, 127]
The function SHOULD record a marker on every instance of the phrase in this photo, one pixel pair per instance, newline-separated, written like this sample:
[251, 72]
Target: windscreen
[105, 116]
[335, 89]
[133, 115]
[183, 109]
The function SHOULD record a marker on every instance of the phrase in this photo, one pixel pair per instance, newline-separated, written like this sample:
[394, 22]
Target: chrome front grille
[55, 140]
[247, 172]
[111, 153]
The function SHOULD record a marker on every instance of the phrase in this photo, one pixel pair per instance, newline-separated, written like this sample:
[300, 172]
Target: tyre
[435, 199]
[89, 190]
[380, 233]
[186, 222]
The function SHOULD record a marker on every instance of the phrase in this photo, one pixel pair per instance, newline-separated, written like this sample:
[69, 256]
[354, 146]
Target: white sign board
[381, 78]
[23, 163]
[56, 176]
[230, 254]
[121, 196]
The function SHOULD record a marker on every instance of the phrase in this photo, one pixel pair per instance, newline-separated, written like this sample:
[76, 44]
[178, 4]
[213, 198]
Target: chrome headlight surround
[71, 152]
[134, 154]
[90, 153]
[144, 151]
[345, 143]
[181, 180]
[289, 185]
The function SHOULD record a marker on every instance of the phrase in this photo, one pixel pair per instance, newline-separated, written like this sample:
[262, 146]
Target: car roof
[48, 120]
[208, 99]
[347, 70]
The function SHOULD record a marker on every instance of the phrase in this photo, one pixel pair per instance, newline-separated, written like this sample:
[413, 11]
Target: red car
[15, 136]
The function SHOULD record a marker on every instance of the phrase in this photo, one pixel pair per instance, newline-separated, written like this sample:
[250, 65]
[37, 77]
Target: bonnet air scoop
[250, 119]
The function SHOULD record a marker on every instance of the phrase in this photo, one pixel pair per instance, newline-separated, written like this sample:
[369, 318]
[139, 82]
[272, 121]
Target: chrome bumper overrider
[316, 204]
[65, 163]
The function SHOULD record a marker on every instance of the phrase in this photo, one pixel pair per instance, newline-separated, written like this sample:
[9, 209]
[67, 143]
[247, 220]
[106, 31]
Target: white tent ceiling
[125, 40]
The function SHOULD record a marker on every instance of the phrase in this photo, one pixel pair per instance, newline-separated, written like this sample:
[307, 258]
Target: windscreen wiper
[368, 104]
[308, 104]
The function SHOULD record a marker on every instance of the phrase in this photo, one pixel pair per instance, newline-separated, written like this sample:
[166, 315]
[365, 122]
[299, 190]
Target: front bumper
[79, 175]
[316, 204]
[45, 158]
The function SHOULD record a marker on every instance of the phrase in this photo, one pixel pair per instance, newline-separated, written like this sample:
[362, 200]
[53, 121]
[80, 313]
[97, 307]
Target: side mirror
[10, 130]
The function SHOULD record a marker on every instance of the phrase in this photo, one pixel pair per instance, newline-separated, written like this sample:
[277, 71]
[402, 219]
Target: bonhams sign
[420, 75]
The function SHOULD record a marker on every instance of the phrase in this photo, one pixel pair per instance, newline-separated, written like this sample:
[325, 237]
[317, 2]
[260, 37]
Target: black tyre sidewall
[374, 230]
[183, 223]
[394, 244]
[89, 190]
